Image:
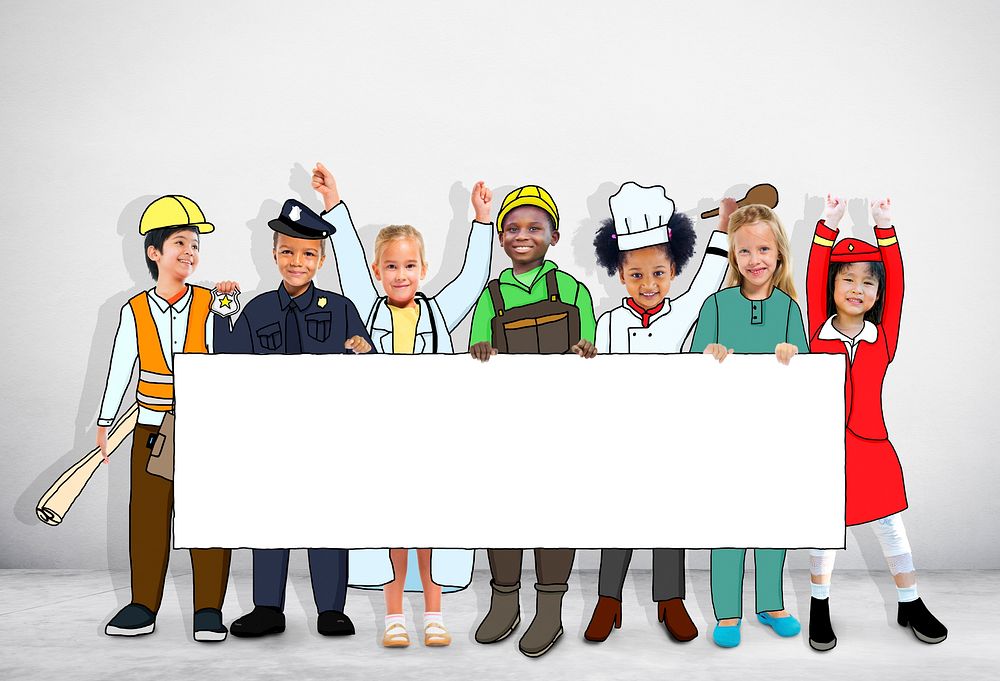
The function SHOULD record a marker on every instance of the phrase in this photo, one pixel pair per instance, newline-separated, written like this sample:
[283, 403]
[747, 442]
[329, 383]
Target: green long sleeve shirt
[749, 326]
[516, 294]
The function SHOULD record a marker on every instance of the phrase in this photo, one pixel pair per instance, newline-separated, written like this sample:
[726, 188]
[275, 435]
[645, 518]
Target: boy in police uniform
[168, 318]
[294, 319]
[536, 308]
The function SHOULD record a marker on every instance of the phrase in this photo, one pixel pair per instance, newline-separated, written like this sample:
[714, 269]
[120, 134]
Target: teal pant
[727, 581]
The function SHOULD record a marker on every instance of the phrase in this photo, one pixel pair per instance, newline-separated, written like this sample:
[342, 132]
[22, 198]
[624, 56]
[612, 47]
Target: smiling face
[178, 258]
[297, 260]
[400, 269]
[526, 236]
[855, 290]
[647, 274]
[757, 259]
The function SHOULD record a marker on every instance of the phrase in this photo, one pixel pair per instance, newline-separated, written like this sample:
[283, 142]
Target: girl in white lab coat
[404, 321]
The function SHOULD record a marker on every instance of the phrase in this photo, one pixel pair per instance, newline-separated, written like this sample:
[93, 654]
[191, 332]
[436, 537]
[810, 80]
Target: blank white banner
[631, 451]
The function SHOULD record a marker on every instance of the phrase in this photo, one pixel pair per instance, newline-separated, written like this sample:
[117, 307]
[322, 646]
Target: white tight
[895, 547]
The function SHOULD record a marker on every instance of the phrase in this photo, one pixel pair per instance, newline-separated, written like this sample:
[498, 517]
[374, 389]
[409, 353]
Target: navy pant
[327, 570]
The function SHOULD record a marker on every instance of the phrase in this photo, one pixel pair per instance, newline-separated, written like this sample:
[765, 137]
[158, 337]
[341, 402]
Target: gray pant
[668, 573]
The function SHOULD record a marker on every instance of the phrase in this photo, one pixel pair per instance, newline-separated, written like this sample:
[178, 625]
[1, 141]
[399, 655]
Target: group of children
[854, 290]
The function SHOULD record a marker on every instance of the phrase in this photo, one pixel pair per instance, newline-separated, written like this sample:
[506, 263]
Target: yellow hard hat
[174, 211]
[528, 195]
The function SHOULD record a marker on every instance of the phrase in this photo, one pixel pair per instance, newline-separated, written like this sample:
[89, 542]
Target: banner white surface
[523, 451]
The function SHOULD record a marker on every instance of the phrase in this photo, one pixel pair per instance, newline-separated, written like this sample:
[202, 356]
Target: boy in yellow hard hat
[169, 318]
[534, 308]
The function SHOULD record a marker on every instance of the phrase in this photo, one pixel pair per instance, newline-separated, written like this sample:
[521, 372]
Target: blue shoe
[132, 620]
[208, 625]
[783, 626]
[727, 637]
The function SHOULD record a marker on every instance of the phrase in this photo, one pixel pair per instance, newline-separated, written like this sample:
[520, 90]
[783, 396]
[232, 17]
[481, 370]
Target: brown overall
[548, 327]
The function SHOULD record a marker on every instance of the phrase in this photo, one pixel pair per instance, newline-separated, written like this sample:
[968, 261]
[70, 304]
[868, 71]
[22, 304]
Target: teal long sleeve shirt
[749, 326]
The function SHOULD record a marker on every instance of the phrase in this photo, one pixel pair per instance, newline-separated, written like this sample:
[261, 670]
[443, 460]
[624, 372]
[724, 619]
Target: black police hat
[299, 221]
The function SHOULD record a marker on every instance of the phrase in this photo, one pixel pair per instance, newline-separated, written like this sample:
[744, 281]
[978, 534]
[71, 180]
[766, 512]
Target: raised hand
[585, 349]
[482, 351]
[882, 212]
[784, 352]
[324, 183]
[358, 344]
[718, 351]
[833, 210]
[482, 201]
[726, 208]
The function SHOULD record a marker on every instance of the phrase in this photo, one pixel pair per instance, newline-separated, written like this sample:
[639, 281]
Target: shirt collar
[302, 301]
[869, 333]
[507, 276]
[163, 305]
[653, 317]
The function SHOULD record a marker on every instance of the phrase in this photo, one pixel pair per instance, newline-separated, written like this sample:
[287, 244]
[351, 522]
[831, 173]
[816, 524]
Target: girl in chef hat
[855, 293]
[757, 313]
[647, 244]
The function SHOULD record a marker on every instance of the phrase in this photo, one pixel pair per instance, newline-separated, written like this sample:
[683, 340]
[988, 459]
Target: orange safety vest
[155, 390]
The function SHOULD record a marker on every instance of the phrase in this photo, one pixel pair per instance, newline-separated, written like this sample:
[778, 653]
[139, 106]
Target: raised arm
[460, 294]
[818, 270]
[892, 303]
[352, 266]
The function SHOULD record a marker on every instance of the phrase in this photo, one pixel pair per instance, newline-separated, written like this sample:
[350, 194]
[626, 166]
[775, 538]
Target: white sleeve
[352, 266]
[459, 295]
[709, 276]
[123, 358]
[603, 337]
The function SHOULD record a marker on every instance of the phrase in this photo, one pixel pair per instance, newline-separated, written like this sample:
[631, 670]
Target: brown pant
[151, 507]
[552, 566]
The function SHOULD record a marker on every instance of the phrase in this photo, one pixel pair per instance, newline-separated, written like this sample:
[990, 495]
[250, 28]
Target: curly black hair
[679, 249]
[875, 269]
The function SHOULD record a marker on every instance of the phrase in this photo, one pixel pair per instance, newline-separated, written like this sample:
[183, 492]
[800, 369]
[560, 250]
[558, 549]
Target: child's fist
[726, 208]
[785, 351]
[882, 213]
[358, 344]
[324, 183]
[833, 210]
[227, 286]
[718, 351]
[482, 351]
[482, 201]
[585, 349]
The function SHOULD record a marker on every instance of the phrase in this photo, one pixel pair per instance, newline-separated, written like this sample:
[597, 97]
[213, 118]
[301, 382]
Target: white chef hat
[641, 215]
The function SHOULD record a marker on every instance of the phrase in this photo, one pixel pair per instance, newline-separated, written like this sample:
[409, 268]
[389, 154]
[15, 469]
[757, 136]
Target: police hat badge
[225, 304]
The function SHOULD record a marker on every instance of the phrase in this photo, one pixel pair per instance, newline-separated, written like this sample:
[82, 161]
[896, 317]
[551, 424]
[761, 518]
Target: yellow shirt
[404, 328]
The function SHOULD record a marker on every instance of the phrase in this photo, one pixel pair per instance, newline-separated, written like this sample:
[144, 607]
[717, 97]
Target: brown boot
[675, 616]
[607, 613]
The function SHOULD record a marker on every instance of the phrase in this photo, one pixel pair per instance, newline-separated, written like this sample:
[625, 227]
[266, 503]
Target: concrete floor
[52, 622]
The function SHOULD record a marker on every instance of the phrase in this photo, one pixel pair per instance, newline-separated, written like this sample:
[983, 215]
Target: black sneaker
[263, 620]
[208, 625]
[821, 636]
[334, 623]
[132, 620]
[925, 626]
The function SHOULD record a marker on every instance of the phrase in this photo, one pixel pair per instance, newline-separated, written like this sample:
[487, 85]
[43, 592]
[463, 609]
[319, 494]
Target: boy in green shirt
[533, 308]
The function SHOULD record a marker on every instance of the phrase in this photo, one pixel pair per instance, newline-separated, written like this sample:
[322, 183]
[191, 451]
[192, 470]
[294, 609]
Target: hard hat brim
[528, 201]
[202, 227]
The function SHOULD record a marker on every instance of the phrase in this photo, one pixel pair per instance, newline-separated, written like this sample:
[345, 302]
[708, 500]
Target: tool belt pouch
[548, 327]
[161, 455]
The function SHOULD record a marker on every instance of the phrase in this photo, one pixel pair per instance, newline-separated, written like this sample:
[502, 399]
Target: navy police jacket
[325, 321]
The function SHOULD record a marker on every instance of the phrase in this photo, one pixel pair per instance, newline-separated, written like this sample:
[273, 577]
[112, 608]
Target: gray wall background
[106, 105]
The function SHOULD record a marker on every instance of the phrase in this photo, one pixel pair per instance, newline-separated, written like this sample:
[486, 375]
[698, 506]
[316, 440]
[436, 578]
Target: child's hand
[482, 351]
[585, 349]
[718, 351]
[358, 344]
[833, 211]
[324, 183]
[482, 201]
[102, 441]
[882, 213]
[784, 352]
[726, 208]
[227, 286]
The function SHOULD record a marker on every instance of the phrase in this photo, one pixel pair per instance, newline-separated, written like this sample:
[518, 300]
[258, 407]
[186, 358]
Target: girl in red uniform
[855, 295]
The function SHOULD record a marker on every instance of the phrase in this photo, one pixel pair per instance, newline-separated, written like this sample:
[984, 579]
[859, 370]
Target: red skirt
[874, 480]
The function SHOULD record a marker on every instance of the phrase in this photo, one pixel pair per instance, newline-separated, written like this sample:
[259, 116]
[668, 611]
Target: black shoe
[334, 623]
[925, 625]
[263, 620]
[132, 620]
[208, 625]
[821, 636]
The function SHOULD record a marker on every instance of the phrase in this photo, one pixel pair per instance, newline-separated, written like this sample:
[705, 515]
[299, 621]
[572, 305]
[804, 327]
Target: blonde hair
[394, 233]
[782, 277]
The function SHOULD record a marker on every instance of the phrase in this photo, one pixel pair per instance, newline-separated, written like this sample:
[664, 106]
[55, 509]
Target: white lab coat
[370, 568]
[620, 330]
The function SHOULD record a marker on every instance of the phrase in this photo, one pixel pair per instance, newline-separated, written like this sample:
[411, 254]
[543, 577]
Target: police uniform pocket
[269, 336]
[318, 325]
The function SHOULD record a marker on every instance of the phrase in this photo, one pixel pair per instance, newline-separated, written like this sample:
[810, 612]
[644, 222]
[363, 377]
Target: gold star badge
[225, 301]
[321, 302]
